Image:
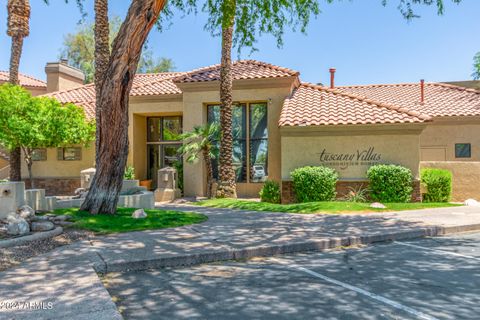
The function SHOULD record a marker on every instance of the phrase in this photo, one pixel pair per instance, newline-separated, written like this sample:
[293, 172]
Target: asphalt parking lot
[434, 278]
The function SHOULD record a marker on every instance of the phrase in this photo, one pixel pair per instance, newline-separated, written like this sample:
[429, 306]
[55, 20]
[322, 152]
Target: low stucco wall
[466, 177]
[350, 156]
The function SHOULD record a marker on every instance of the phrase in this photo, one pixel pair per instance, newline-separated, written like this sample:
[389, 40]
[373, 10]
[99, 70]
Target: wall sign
[359, 157]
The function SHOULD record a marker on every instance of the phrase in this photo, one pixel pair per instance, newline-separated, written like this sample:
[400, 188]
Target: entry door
[161, 156]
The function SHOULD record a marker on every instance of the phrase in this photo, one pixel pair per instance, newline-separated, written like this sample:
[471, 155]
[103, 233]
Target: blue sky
[365, 41]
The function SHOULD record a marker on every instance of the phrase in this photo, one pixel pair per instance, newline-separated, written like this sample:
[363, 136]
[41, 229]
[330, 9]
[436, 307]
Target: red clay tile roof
[143, 85]
[242, 69]
[312, 105]
[26, 81]
[441, 100]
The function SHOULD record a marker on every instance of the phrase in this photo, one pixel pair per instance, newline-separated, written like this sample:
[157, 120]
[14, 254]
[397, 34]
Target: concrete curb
[104, 267]
[33, 237]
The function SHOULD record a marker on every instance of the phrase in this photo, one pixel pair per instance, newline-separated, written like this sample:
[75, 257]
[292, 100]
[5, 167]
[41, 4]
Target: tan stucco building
[281, 123]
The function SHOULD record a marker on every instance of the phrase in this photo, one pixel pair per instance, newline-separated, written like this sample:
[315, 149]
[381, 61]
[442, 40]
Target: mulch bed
[11, 257]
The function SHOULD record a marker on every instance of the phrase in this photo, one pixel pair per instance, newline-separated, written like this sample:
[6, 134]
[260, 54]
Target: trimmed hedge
[438, 183]
[314, 184]
[390, 183]
[270, 192]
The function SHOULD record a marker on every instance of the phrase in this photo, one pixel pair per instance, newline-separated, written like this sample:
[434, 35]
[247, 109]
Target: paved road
[437, 278]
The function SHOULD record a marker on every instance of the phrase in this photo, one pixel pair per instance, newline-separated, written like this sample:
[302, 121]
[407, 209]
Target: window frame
[61, 154]
[247, 139]
[43, 151]
[161, 141]
[457, 156]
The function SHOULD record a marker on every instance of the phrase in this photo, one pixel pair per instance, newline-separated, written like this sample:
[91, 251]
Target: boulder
[139, 214]
[38, 226]
[472, 203]
[378, 205]
[26, 212]
[18, 226]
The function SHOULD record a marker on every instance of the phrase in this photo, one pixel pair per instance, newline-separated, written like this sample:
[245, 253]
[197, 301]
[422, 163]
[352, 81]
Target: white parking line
[371, 295]
[438, 251]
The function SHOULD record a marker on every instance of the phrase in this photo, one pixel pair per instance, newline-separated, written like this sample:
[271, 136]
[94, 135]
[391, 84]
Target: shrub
[358, 194]
[390, 183]
[270, 192]
[129, 173]
[314, 183]
[438, 183]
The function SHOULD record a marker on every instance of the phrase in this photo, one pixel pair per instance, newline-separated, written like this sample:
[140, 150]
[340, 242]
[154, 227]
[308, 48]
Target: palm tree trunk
[102, 55]
[208, 164]
[15, 154]
[113, 101]
[226, 185]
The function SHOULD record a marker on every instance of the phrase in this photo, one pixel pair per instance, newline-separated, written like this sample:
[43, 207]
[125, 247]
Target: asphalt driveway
[436, 278]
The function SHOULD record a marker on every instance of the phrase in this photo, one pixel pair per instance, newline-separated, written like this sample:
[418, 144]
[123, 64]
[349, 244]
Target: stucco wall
[438, 140]
[195, 113]
[53, 168]
[465, 180]
[364, 149]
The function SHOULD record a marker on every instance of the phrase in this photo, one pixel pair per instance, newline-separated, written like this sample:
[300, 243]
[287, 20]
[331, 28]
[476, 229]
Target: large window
[163, 142]
[249, 130]
[69, 154]
[463, 150]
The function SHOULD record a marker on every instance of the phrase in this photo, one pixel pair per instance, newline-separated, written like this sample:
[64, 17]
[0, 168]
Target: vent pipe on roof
[332, 78]
[422, 91]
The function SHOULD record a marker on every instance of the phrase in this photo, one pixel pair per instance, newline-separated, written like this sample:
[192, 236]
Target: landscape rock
[39, 226]
[64, 223]
[472, 203]
[18, 226]
[26, 212]
[60, 218]
[139, 214]
[378, 205]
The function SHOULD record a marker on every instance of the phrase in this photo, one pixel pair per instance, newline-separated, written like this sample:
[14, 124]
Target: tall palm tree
[18, 28]
[227, 184]
[201, 140]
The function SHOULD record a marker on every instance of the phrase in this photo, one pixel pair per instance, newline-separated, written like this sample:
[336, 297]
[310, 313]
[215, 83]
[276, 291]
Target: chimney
[332, 78]
[61, 76]
[422, 91]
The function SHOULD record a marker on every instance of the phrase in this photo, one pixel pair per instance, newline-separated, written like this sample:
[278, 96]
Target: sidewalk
[66, 277]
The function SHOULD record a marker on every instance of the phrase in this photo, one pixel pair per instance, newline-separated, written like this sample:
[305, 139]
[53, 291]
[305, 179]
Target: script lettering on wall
[360, 157]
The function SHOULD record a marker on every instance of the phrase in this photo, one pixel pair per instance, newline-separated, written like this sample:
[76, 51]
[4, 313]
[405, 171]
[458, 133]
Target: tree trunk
[102, 55]
[27, 152]
[226, 186]
[208, 164]
[112, 151]
[15, 154]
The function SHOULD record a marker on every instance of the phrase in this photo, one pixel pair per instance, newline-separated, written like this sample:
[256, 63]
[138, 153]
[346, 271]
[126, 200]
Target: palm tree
[227, 184]
[201, 140]
[18, 28]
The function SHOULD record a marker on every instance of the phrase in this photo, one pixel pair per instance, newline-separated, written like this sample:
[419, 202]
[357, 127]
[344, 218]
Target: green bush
[390, 183]
[438, 183]
[270, 192]
[129, 173]
[314, 184]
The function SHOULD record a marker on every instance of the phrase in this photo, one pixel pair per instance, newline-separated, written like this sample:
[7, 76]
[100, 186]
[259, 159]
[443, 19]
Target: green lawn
[123, 221]
[316, 207]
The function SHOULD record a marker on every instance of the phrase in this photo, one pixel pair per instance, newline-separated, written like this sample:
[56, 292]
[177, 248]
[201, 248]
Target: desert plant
[356, 194]
[270, 192]
[390, 183]
[438, 183]
[129, 173]
[314, 183]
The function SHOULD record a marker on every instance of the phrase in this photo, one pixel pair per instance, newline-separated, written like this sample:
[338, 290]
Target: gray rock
[472, 203]
[377, 205]
[38, 226]
[18, 226]
[60, 218]
[64, 223]
[139, 214]
[39, 218]
[26, 212]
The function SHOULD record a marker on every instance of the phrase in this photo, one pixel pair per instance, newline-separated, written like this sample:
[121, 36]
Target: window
[69, 154]
[39, 154]
[463, 150]
[163, 142]
[249, 130]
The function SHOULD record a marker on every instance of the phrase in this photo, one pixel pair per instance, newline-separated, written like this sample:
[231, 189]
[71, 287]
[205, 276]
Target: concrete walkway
[63, 283]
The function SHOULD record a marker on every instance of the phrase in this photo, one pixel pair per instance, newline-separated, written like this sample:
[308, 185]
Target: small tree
[201, 140]
[30, 123]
